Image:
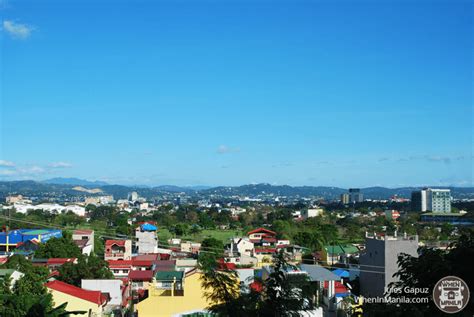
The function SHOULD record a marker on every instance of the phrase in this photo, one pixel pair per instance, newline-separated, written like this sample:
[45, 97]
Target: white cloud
[17, 30]
[60, 165]
[8, 172]
[223, 149]
[4, 163]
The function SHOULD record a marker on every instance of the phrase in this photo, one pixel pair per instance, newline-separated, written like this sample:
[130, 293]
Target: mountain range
[65, 186]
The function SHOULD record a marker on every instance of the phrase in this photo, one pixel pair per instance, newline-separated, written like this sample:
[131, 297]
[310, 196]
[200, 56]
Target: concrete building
[14, 276]
[78, 299]
[434, 200]
[118, 250]
[312, 212]
[114, 288]
[241, 246]
[378, 263]
[23, 207]
[147, 240]
[345, 199]
[355, 195]
[84, 239]
[133, 196]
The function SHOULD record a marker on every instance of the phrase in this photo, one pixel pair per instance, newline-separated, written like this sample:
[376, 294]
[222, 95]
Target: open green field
[223, 235]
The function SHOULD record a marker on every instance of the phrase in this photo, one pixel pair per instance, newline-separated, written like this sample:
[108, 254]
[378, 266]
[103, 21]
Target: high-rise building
[434, 200]
[355, 195]
[133, 196]
[379, 261]
[345, 198]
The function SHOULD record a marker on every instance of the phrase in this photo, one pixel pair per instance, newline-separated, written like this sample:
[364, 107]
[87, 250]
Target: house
[241, 246]
[332, 254]
[330, 290]
[147, 240]
[264, 241]
[118, 250]
[191, 247]
[120, 268]
[84, 239]
[14, 276]
[78, 299]
[117, 290]
[174, 293]
[139, 281]
[392, 214]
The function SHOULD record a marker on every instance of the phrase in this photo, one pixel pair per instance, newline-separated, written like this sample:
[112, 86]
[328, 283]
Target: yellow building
[174, 293]
[77, 299]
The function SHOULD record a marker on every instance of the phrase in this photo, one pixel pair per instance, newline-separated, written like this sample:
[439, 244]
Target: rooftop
[169, 275]
[95, 297]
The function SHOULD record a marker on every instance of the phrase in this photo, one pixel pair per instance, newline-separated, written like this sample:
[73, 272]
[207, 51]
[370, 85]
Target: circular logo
[451, 294]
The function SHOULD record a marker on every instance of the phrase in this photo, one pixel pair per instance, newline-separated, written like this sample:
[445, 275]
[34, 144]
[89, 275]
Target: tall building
[345, 198]
[147, 240]
[434, 200]
[355, 195]
[379, 261]
[133, 196]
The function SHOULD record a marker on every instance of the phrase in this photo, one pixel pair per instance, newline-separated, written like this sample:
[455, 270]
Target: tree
[87, 267]
[62, 247]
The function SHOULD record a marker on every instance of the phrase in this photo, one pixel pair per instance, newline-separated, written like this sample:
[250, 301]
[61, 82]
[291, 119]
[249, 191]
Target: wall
[76, 304]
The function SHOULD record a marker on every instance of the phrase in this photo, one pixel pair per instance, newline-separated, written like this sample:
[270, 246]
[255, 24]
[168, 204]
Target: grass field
[223, 235]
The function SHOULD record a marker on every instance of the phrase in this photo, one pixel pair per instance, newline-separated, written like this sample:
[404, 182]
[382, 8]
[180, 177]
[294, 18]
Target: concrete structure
[191, 247]
[337, 253]
[345, 199]
[174, 294]
[241, 246]
[379, 261]
[133, 196]
[13, 199]
[23, 208]
[312, 212]
[355, 195]
[84, 239]
[118, 250]
[114, 288]
[435, 200]
[147, 240]
[77, 299]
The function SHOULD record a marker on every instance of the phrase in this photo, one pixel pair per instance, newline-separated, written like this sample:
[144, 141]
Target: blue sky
[339, 93]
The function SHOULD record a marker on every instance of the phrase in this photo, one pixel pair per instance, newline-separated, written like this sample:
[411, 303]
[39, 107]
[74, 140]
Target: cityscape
[241, 158]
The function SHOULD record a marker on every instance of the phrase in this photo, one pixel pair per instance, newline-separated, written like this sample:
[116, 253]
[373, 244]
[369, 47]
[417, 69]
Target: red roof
[339, 287]
[142, 263]
[80, 231]
[256, 286]
[265, 250]
[116, 242]
[146, 275]
[226, 266]
[120, 263]
[263, 230]
[61, 261]
[91, 296]
[146, 257]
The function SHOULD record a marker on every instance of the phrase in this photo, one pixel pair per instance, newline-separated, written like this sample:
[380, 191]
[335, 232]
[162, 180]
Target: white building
[434, 200]
[53, 208]
[312, 212]
[242, 246]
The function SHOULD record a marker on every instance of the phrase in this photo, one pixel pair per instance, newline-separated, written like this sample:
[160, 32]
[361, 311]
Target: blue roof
[341, 273]
[148, 227]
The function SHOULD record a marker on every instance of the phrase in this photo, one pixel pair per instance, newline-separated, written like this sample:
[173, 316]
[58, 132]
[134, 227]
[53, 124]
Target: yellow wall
[164, 306]
[74, 303]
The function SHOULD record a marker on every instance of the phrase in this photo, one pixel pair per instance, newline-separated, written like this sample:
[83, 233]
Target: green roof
[341, 249]
[169, 275]
[5, 272]
[39, 231]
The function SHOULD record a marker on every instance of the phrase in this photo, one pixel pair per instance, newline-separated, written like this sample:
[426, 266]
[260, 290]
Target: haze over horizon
[211, 93]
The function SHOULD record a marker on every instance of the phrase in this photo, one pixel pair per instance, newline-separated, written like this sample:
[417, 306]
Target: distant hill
[73, 181]
[69, 187]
